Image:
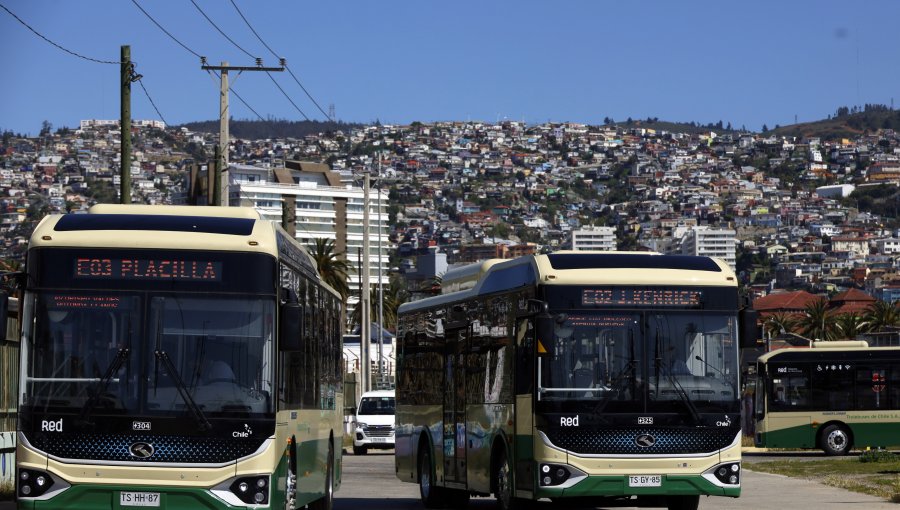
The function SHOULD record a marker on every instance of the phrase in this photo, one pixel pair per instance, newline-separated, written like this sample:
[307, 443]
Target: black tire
[835, 440]
[360, 450]
[290, 490]
[683, 502]
[504, 491]
[326, 502]
[429, 494]
[456, 498]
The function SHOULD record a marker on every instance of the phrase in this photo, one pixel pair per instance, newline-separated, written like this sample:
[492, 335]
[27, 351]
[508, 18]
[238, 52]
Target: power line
[277, 56]
[141, 83]
[57, 45]
[288, 97]
[164, 30]
[238, 46]
[239, 98]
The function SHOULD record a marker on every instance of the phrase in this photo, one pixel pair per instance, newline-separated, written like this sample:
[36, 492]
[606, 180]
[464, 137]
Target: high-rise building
[710, 242]
[324, 207]
[594, 239]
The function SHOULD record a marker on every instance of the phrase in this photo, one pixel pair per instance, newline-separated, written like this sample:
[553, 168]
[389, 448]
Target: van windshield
[376, 405]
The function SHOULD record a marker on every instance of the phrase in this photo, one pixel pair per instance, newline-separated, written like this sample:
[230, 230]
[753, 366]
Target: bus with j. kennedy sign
[176, 357]
[602, 377]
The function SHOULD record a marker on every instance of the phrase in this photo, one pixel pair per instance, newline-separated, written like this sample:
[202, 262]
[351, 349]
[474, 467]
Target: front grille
[115, 447]
[379, 431]
[623, 440]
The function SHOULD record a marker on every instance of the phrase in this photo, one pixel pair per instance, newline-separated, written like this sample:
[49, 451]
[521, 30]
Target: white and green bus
[608, 378]
[834, 396]
[179, 358]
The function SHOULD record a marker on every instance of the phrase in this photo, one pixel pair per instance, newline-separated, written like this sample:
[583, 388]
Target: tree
[333, 267]
[394, 295]
[779, 323]
[850, 325]
[817, 322]
[882, 315]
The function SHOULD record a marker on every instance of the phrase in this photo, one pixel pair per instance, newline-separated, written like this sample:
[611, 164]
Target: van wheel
[835, 440]
[430, 495]
[360, 450]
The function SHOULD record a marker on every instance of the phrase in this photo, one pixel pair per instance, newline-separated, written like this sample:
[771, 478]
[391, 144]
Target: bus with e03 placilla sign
[176, 357]
[601, 377]
[834, 396]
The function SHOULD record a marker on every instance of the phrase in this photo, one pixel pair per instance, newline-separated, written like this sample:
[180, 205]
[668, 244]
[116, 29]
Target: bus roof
[581, 268]
[160, 227]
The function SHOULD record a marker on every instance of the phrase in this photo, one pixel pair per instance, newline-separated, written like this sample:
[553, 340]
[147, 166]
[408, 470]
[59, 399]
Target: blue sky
[748, 63]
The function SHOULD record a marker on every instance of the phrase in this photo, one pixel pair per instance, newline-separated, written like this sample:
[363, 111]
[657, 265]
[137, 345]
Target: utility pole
[381, 376]
[126, 70]
[223, 70]
[365, 335]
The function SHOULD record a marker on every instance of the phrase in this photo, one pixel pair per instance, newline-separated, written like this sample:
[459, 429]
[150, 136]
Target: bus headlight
[33, 484]
[727, 474]
[252, 490]
[553, 474]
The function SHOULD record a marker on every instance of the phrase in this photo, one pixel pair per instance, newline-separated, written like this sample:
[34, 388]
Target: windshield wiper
[100, 386]
[679, 389]
[192, 406]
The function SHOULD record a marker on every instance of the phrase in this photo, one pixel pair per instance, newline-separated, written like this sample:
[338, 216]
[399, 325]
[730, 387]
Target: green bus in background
[834, 396]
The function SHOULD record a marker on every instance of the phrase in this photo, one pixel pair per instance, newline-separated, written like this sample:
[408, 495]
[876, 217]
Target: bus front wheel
[835, 440]
[326, 502]
[683, 502]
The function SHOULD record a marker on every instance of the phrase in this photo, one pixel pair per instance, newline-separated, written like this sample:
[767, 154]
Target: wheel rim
[837, 440]
[425, 476]
[504, 494]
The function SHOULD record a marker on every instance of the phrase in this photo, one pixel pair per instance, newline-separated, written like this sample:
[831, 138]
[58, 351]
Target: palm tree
[333, 267]
[818, 322]
[850, 325]
[394, 295]
[882, 315]
[779, 323]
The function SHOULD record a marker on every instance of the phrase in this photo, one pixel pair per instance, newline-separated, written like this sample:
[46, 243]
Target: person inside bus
[675, 363]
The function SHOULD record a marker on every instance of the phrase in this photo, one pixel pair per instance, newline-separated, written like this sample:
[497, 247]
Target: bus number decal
[645, 420]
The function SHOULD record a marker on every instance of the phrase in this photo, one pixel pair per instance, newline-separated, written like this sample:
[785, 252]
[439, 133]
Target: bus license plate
[645, 481]
[139, 499]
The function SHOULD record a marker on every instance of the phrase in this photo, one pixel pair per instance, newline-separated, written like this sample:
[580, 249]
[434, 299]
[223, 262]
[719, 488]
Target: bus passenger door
[454, 406]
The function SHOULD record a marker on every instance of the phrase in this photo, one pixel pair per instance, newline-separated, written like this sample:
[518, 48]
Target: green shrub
[878, 455]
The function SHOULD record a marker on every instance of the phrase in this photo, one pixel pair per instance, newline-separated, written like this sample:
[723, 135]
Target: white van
[374, 422]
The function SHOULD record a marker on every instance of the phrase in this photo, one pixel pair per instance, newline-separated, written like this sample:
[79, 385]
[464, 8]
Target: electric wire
[279, 57]
[55, 44]
[164, 30]
[195, 54]
[285, 95]
[141, 83]
[211, 22]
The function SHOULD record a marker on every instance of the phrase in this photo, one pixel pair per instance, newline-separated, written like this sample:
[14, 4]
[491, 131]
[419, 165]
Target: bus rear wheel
[429, 494]
[683, 502]
[835, 440]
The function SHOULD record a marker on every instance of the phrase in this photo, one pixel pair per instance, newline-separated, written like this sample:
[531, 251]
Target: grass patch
[6, 491]
[876, 474]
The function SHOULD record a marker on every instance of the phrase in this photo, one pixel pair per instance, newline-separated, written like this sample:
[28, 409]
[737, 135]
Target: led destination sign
[614, 296]
[147, 269]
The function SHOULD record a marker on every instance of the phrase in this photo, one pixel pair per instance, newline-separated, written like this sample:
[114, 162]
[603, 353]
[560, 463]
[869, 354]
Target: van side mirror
[748, 328]
[290, 328]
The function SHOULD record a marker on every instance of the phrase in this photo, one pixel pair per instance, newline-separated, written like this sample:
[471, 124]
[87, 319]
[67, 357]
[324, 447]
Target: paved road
[369, 483]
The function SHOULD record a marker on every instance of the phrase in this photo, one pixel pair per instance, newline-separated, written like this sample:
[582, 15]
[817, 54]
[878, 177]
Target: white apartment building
[888, 246]
[710, 242]
[594, 239]
[324, 208]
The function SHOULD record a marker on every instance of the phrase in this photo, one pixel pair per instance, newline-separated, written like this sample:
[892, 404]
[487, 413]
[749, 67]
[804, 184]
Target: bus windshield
[150, 354]
[668, 361]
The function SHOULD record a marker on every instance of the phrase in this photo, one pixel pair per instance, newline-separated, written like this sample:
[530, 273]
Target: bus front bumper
[713, 482]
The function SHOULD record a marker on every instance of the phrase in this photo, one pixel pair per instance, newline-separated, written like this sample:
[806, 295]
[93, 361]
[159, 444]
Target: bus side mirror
[290, 328]
[544, 327]
[749, 330]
